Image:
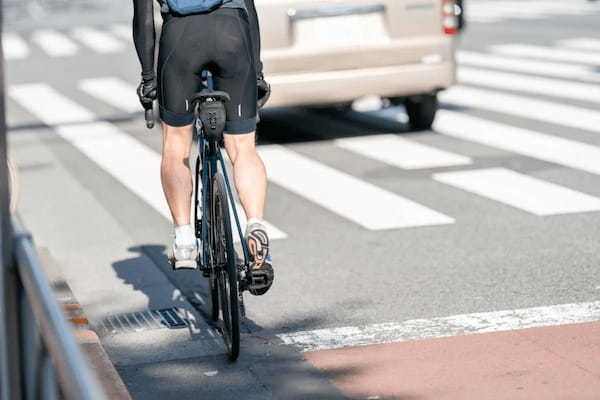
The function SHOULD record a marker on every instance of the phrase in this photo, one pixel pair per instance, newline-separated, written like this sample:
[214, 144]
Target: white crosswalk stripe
[98, 40]
[521, 191]
[552, 69]
[530, 84]
[401, 153]
[545, 111]
[15, 47]
[133, 164]
[547, 53]
[123, 31]
[494, 11]
[114, 91]
[54, 43]
[342, 194]
[581, 44]
[569, 153]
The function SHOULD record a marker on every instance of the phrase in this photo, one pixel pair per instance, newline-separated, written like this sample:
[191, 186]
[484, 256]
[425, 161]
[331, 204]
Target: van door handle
[336, 11]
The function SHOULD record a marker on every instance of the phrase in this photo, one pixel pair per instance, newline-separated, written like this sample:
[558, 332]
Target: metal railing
[51, 362]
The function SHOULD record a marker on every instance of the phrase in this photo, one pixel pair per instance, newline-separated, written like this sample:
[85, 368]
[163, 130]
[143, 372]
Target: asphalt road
[517, 118]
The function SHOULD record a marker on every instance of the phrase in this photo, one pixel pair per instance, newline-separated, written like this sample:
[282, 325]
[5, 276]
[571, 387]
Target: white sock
[255, 220]
[184, 235]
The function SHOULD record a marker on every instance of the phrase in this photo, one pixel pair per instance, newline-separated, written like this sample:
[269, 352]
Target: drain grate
[166, 318]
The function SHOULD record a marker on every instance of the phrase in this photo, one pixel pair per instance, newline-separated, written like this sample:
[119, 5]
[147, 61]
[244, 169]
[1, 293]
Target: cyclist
[225, 41]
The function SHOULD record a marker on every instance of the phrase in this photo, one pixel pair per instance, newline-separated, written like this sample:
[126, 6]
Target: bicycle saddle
[207, 95]
[211, 111]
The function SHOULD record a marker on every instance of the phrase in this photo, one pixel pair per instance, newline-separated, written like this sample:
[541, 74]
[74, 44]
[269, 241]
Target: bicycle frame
[209, 157]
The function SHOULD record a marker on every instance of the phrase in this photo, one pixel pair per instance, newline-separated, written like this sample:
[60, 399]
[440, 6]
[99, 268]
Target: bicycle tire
[214, 295]
[212, 277]
[227, 273]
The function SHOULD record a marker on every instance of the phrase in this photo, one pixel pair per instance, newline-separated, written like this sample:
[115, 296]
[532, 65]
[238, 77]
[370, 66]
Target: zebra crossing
[54, 43]
[509, 88]
[492, 11]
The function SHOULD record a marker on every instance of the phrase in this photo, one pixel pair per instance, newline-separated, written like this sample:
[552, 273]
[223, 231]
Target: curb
[100, 363]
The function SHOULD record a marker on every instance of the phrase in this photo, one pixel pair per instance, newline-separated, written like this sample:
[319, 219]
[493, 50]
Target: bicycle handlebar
[149, 114]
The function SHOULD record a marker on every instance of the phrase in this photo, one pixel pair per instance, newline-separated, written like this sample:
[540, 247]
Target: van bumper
[334, 87]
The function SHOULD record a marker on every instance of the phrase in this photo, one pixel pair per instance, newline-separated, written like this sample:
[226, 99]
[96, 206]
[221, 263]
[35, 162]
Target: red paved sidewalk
[549, 363]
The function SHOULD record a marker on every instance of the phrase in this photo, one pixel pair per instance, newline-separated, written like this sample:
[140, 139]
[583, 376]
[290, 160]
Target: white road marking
[358, 201]
[54, 43]
[539, 110]
[130, 162]
[136, 166]
[558, 70]
[521, 191]
[581, 44]
[530, 84]
[15, 48]
[113, 91]
[568, 153]
[97, 40]
[547, 53]
[401, 153]
[456, 325]
[123, 31]
[484, 11]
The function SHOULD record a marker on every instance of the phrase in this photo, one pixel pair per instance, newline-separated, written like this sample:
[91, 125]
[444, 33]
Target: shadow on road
[266, 368]
[295, 125]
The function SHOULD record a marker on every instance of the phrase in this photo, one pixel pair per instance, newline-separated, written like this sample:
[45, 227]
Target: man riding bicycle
[220, 36]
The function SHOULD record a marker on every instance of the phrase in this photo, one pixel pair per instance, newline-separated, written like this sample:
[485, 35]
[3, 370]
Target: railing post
[10, 340]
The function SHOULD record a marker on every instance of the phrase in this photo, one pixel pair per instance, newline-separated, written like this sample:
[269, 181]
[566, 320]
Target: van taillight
[449, 20]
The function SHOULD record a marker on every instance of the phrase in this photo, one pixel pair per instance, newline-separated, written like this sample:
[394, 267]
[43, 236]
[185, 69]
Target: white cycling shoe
[185, 257]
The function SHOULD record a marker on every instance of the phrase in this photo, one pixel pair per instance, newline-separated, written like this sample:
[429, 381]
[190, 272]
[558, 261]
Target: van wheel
[421, 111]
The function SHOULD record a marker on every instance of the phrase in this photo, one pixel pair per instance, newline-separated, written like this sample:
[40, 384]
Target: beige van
[333, 52]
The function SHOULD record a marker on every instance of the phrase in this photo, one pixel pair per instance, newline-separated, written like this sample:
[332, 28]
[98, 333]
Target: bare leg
[249, 173]
[175, 171]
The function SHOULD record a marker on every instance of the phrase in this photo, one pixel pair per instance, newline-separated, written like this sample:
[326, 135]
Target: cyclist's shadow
[142, 274]
[191, 287]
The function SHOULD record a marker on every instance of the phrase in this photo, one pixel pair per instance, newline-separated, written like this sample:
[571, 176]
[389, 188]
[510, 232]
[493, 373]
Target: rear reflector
[449, 20]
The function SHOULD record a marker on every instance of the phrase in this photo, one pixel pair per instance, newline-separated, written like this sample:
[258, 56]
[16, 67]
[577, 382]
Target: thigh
[235, 73]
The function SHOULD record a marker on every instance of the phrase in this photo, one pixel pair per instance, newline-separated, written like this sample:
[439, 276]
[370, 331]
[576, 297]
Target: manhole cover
[166, 318]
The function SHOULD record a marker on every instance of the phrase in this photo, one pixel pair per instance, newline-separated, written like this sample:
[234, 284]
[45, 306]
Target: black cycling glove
[147, 91]
[264, 91]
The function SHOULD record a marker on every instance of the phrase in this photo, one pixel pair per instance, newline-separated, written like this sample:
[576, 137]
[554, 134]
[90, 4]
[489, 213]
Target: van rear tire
[421, 111]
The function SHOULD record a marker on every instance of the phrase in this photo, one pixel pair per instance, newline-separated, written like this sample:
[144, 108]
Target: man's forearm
[144, 35]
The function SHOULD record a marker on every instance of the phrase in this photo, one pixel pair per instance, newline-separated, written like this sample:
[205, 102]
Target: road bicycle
[227, 274]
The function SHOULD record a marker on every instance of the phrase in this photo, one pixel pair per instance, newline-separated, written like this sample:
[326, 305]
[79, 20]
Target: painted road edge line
[456, 325]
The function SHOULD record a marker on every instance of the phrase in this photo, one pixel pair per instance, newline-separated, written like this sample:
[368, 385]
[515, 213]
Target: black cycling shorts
[218, 41]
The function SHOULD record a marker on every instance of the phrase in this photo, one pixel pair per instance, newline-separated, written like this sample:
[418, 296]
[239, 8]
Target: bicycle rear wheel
[206, 246]
[227, 273]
